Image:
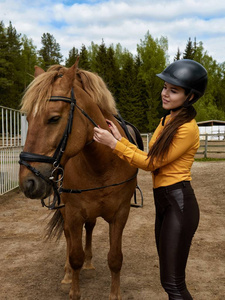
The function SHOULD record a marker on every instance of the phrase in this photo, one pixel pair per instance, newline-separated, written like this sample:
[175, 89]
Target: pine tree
[189, 51]
[29, 58]
[141, 96]
[119, 54]
[11, 80]
[153, 60]
[195, 46]
[50, 52]
[178, 55]
[132, 81]
[5, 66]
[126, 100]
[112, 75]
[212, 104]
[100, 66]
[73, 54]
[92, 53]
[84, 61]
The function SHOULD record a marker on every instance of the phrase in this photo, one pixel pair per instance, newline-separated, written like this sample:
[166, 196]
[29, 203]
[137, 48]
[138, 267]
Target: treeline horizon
[130, 78]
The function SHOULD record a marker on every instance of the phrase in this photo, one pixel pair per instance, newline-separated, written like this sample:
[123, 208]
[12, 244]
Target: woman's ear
[191, 97]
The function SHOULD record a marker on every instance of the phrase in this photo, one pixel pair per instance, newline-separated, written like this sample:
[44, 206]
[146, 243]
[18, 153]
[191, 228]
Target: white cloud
[125, 22]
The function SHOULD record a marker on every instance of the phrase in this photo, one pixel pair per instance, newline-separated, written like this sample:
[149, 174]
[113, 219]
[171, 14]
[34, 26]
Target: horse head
[47, 121]
[60, 102]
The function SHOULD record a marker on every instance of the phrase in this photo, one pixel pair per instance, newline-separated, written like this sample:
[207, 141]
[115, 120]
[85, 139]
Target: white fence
[215, 132]
[146, 137]
[212, 145]
[13, 127]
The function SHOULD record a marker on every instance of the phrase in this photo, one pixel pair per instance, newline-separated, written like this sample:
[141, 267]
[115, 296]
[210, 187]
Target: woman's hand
[114, 130]
[104, 137]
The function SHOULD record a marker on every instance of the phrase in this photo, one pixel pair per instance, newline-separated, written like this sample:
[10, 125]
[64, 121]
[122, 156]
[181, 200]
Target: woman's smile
[172, 96]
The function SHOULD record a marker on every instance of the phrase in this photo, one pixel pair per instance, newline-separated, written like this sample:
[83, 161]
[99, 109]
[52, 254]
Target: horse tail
[54, 228]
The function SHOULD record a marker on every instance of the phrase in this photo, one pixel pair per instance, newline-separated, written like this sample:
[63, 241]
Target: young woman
[171, 155]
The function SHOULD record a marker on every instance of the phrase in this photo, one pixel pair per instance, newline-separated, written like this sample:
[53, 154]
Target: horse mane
[40, 90]
[97, 89]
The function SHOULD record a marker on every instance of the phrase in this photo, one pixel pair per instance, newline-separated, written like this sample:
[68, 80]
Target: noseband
[56, 178]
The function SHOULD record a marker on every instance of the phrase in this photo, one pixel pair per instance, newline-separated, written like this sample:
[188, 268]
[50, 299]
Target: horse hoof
[66, 281]
[74, 296]
[88, 266]
[115, 297]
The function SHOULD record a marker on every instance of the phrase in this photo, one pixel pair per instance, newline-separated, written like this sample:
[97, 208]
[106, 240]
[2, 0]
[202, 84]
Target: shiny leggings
[177, 218]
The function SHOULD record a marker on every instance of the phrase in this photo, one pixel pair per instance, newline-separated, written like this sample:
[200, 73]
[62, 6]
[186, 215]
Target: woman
[171, 155]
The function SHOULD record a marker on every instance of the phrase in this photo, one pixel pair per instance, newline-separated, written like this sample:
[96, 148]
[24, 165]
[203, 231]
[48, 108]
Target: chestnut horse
[60, 157]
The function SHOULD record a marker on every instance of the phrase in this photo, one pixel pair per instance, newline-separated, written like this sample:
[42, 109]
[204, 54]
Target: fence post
[206, 145]
[10, 147]
[23, 129]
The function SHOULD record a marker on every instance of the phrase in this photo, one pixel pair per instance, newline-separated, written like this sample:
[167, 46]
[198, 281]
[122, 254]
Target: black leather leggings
[177, 218]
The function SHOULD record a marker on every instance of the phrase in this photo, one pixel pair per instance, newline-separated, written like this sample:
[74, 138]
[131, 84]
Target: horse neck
[98, 158]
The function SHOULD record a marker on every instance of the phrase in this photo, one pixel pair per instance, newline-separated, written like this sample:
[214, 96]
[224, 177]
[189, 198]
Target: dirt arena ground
[32, 269]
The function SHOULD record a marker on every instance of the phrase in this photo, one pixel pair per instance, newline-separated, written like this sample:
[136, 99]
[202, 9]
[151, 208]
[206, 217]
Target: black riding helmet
[189, 75]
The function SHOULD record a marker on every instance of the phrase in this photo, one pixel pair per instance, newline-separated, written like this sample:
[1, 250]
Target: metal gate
[13, 128]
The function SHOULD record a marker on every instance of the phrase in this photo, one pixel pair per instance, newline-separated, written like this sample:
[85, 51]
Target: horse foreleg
[115, 255]
[89, 226]
[115, 259]
[74, 230]
[75, 287]
[68, 270]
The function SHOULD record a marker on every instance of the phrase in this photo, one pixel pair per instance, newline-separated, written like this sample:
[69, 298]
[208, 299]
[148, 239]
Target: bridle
[56, 178]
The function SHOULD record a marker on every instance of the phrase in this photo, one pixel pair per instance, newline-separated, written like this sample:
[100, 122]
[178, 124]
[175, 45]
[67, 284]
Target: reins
[56, 178]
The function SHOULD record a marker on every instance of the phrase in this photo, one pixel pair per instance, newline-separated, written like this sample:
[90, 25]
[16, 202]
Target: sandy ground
[33, 269]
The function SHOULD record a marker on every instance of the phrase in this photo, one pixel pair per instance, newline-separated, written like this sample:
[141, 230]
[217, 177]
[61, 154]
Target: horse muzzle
[33, 186]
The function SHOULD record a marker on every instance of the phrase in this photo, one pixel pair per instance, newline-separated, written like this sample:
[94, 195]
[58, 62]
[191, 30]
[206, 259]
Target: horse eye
[53, 120]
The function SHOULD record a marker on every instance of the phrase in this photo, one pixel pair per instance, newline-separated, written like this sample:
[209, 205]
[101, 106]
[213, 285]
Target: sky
[73, 23]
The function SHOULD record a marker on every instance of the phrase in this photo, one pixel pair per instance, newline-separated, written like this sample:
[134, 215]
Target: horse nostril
[36, 189]
[30, 184]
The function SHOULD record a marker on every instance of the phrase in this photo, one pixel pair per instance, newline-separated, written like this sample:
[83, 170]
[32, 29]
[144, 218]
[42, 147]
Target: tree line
[131, 78]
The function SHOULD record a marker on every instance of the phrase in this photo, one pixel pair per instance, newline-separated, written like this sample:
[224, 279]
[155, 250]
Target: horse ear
[77, 61]
[69, 76]
[38, 71]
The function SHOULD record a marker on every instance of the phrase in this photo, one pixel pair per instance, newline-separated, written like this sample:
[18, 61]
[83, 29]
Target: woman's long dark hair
[161, 147]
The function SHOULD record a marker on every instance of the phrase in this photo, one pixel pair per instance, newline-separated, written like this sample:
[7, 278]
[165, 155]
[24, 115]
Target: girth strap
[79, 191]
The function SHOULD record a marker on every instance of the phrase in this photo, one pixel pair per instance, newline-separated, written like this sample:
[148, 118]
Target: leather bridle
[56, 178]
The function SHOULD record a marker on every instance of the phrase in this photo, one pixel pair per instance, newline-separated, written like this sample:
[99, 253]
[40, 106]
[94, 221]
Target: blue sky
[74, 23]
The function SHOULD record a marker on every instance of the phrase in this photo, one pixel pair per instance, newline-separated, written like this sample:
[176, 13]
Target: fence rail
[212, 145]
[13, 128]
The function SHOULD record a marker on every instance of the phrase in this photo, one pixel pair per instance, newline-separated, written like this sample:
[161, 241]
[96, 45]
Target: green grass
[209, 159]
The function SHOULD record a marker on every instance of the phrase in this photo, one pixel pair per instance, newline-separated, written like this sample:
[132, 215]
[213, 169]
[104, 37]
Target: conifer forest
[130, 78]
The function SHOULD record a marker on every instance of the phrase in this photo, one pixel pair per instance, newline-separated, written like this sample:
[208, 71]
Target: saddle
[132, 133]
[134, 137]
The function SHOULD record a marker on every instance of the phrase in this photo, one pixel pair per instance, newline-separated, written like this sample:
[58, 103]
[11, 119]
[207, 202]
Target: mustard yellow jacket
[173, 168]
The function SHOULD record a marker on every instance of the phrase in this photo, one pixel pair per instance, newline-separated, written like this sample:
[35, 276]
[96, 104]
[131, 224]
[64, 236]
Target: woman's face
[172, 96]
